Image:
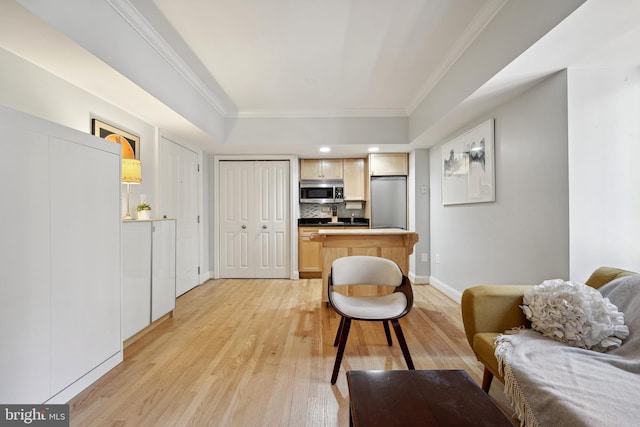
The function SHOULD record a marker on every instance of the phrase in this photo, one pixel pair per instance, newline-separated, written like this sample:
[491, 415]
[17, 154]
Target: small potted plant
[144, 211]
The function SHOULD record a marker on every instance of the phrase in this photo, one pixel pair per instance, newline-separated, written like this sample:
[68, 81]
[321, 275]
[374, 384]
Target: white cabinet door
[25, 261]
[60, 250]
[136, 277]
[85, 260]
[163, 266]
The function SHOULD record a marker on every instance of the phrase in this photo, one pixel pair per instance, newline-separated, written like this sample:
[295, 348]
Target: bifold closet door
[254, 219]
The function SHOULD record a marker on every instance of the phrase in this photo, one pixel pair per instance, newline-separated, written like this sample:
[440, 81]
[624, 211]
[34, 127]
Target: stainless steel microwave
[321, 191]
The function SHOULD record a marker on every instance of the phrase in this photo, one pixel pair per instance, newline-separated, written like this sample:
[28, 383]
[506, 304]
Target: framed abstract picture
[130, 143]
[468, 167]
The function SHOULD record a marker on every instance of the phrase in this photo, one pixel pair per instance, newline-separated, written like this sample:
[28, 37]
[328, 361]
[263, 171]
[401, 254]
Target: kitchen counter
[391, 243]
[326, 222]
[367, 232]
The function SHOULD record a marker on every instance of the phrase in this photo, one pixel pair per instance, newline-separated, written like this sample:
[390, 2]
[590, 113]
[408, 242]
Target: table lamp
[131, 174]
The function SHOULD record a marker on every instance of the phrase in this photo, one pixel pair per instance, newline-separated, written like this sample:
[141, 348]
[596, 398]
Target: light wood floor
[260, 353]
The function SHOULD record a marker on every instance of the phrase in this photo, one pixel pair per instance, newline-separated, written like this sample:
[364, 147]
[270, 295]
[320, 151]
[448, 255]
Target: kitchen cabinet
[396, 245]
[354, 178]
[321, 169]
[388, 164]
[60, 283]
[310, 251]
[148, 273]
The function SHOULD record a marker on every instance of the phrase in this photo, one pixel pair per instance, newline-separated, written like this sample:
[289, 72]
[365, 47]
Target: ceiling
[226, 65]
[330, 57]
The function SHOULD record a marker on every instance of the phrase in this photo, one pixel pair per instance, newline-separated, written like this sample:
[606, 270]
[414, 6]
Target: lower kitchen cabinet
[149, 273]
[310, 252]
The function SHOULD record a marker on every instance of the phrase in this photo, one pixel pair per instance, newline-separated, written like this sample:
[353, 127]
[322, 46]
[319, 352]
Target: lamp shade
[131, 171]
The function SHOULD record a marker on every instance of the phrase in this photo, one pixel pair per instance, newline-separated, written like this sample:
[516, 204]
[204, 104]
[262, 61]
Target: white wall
[419, 220]
[604, 171]
[522, 238]
[316, 131]
[30, 89]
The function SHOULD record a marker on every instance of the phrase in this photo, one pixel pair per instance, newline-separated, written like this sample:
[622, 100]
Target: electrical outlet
[437, 258]
[425, 257]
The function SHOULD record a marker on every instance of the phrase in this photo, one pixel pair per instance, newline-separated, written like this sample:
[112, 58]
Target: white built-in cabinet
[148, 273]
[60, 275]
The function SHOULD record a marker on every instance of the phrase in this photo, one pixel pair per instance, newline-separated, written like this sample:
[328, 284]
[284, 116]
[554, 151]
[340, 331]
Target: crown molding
[137, 21]
[473, 30]
[337, 113]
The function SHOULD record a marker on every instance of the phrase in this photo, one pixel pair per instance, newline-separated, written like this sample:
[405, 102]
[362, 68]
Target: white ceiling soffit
[303, 58]
[599, 33]
[292, 58]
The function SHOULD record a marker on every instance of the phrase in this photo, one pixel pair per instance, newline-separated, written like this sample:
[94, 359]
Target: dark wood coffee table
[420, 398]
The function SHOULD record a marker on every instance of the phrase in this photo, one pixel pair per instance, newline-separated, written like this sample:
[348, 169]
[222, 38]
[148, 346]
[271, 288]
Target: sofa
[491, 312]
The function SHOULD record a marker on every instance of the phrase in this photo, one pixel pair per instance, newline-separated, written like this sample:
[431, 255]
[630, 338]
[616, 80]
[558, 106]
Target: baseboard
[452, 293]
[135, 337]
[418, 280]
[207, 275]
[86, 380]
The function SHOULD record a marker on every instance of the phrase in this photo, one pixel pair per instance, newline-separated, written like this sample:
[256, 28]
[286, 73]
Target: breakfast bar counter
[390, 243]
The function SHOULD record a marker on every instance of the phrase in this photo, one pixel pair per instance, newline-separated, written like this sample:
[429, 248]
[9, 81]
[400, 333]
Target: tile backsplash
[315, 210]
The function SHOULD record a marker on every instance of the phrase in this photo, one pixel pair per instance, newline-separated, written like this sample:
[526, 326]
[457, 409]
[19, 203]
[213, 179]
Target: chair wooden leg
[343, 343]
[387, 332]
[487, 377]
[403, 343]
[339, 332]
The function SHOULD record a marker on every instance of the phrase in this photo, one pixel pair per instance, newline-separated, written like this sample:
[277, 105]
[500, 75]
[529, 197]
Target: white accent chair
[369, 270]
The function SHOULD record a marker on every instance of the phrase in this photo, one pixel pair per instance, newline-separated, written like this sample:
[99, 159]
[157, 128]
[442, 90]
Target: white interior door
[179, 197]
[236, 192]
[272, 210]
[254, 219]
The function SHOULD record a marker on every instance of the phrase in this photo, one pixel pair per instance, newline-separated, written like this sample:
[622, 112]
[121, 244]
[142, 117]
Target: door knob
[264, 226]
[244, 226]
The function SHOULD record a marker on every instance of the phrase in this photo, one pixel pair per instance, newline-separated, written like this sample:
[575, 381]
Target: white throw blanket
[552, 384]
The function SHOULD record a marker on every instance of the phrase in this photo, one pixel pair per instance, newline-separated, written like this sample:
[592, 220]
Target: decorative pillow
[575, 314]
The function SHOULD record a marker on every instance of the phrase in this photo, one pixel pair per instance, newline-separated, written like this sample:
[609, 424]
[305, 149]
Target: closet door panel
[272, 217]
[237, 226]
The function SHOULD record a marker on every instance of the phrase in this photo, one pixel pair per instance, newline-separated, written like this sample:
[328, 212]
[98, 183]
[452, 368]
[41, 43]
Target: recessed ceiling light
[373, 149]
[325, 149]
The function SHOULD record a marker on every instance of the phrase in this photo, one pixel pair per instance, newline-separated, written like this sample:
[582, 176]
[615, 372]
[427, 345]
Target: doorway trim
[293, 207]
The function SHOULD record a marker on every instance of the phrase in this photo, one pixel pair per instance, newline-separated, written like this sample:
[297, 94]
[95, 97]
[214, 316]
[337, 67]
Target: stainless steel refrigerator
[389, 202]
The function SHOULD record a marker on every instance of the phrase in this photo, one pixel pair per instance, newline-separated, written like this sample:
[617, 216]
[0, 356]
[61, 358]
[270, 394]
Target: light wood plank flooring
[260, 353]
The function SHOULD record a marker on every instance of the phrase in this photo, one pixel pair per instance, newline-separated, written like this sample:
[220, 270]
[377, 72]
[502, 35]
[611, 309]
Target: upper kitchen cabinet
[354, 177]
[388, 164]
[321, 169]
